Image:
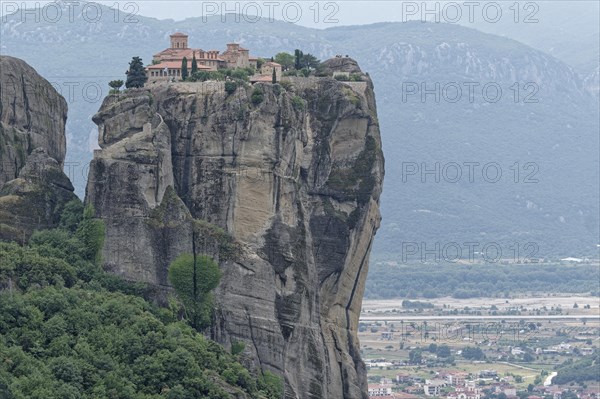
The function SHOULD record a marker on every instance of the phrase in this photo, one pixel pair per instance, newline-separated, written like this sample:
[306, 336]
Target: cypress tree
[184, 70]
[274, 76]
[298, 63]
[194, 64]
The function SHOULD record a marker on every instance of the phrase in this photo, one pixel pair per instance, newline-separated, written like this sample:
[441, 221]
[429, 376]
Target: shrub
[298, 102]
[277, 89]
[241, 73]
[230, 86]
[237, 347]
[203, 76]
[270, 385]
[257, 96]
[287, 85]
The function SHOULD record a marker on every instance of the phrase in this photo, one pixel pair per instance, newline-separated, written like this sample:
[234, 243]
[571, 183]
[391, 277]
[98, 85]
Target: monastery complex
[167, 64]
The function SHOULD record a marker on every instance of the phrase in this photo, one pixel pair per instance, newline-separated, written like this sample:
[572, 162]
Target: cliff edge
[280, 183]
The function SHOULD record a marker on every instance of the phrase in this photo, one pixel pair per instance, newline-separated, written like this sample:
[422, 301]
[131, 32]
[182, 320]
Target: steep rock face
[283, 192]
[33, 187]
[32, 115]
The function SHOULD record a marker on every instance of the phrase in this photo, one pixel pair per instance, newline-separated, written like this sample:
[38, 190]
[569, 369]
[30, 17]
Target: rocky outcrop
[341, 64]
[33, 187]
[280, 184]
[32, 115]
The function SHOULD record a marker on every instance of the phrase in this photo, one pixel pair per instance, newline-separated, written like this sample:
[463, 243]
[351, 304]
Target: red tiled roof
[379, 386]
[261, 78]
[239, 46]
[178, 34]
[404, 395]
[174, 65]
[177, 53]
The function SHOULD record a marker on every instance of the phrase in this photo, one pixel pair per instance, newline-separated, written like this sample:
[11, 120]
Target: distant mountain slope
[568, 30]
[557, 137]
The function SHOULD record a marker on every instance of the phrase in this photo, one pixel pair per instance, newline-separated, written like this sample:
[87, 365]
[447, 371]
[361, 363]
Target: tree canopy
[68, 330]
[285, 59]
[193, 279]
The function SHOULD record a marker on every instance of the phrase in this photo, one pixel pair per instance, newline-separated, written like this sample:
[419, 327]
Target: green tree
[415, 356]
[443, 351]
[136, 75]
[472, 353]
[115, 85]
[274, 78]
[286, 60]
[298, 59]
[194, 64]
[91, 234]
[184, 70]
[310, 61]
[72, 213]
[194, 277]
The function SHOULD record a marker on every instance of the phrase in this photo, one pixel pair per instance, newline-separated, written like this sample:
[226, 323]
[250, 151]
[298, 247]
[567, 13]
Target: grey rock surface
[32, 115]
[283, 193]
[33, 187]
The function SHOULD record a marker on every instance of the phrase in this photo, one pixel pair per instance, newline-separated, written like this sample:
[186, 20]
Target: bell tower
[179, 41]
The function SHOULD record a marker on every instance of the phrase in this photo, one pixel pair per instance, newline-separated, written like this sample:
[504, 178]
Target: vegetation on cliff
[194, 278]
[69, 330]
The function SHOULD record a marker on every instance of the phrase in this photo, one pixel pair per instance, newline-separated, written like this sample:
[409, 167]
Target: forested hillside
[472, 281]
[70, 331]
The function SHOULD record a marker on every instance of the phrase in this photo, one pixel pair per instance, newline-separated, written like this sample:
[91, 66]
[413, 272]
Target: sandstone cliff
[283, 192]
[33, 187]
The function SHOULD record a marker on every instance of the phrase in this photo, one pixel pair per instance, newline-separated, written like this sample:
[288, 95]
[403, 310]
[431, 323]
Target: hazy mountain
[553, 140]
[567, 30]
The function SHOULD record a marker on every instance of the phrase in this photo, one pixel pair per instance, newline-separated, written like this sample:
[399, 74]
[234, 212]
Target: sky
[321, 14]
[317, 14]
